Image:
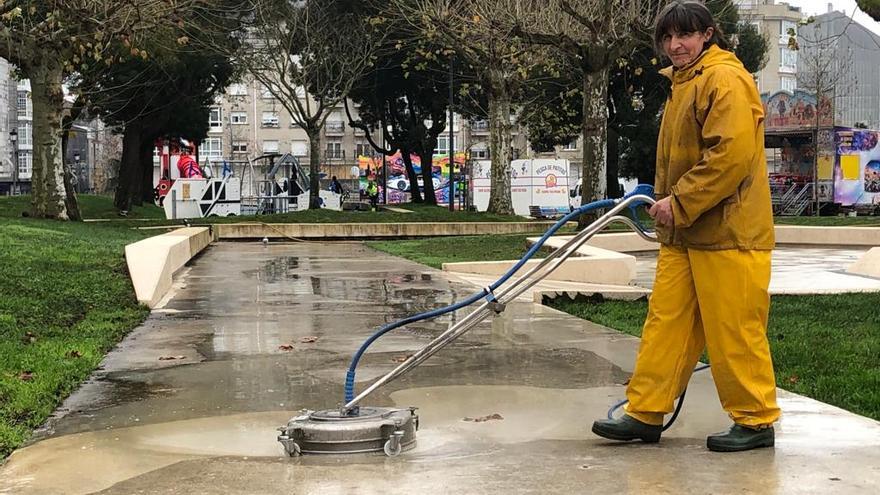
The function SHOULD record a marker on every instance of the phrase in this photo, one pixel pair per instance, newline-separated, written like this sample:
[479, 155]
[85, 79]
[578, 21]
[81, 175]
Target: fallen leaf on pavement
[793, 379]
[29, 338]
[309, 340]
[73, 354]
[400, 359]
[26, 376]
[483, 419]
[285, 347]
[171, 358]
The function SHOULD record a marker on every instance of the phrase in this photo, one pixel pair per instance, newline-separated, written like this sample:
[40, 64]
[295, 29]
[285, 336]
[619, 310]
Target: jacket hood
[710, 57]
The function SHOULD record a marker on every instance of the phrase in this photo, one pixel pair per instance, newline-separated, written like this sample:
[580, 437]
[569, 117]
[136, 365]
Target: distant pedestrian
[373, 192]
[335, 186]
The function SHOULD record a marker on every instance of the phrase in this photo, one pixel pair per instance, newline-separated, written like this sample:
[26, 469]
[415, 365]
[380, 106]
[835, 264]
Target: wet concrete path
[205, 421]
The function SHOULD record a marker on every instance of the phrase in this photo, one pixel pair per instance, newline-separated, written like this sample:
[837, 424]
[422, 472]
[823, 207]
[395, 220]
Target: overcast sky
[814, 7]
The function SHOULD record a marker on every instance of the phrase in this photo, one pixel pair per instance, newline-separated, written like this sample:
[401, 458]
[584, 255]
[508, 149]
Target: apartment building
[248, 121]
[778, 21]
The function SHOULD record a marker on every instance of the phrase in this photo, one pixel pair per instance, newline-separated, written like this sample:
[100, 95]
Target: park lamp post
[451, 140]
[78, 172]
[13, 138]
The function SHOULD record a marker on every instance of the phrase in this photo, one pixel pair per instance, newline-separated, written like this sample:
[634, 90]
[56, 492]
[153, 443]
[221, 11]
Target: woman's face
[684, 48]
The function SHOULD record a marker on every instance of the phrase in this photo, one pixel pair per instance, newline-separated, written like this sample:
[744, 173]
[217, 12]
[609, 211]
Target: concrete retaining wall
[256, 231]
[152, 262]
[630, 242]
[593, 266]
[828, 236]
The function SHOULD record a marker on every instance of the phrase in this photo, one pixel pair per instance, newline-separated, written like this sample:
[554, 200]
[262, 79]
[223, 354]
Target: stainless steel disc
[330, 432]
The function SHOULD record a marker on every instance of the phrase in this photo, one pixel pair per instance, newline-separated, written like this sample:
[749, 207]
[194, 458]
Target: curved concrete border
[591, 265]
[152, 262]
[868, 265]
[244, 231]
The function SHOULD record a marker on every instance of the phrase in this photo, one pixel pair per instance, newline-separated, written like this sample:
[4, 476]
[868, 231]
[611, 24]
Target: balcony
[334, 154]
[334, 128]
[480, 127]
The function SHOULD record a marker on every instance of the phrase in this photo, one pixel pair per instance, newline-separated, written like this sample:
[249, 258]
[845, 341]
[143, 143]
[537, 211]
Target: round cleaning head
[371, 430]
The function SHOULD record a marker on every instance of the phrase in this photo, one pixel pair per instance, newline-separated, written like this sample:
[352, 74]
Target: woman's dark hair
[687, 16]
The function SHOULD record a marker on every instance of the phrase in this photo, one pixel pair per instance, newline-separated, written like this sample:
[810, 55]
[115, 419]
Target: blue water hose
[641, 189]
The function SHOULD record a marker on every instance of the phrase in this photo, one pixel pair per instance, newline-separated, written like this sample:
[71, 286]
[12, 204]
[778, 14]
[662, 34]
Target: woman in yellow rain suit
[714, 220]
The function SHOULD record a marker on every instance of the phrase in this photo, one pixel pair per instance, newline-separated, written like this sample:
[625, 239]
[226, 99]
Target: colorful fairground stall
[842, 173]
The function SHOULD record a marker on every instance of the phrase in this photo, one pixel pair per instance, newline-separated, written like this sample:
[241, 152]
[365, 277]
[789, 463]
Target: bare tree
[824, 69]
[500, 62]
[596, 35]
[308, 55]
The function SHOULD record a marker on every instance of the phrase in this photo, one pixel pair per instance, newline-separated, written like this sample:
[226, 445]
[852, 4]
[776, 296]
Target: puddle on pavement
[529, 414]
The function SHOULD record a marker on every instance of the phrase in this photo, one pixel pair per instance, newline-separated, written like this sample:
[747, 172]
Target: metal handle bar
[510, 292]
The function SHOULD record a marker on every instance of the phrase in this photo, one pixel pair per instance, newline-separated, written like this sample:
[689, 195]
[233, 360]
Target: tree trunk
[612, 173]
[499, 146]
[49, 193]
[594, 137]
[130, 165]
[314, 135]
[415, 195]
[146, 186]
[427, 159]
[70, 201]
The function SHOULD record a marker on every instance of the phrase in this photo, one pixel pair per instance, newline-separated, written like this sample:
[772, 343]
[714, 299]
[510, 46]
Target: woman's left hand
[661, 212]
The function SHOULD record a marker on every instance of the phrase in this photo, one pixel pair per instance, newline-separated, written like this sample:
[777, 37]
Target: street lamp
[13, 138]
[79, 177]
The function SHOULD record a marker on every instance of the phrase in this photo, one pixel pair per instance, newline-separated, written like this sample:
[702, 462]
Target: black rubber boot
[627, 428]
[739, 438]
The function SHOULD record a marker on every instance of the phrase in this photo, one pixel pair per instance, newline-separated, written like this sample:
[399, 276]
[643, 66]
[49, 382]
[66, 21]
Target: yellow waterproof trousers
[716, 300]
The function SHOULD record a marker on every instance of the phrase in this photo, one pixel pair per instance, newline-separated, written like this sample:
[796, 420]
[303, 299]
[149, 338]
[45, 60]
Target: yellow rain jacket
[710, 157]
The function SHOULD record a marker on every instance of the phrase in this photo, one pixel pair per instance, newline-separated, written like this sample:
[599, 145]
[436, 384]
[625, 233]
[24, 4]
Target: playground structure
[268, 184]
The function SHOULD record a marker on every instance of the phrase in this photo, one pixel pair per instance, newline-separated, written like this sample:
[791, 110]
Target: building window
[270, 119]
[335, 126]
[215, 119]
[572, 146]
[25, 164]
[239, 147]
[270, 146]
[788, 83]
[25, 135]
[238, 118]
[480, 126]
[211, 149]
[25, 108]
[334, 149]
[265, 93]
[784, 33]
[237, 89]
[442, 145]
[480, 153]
[787, 59]
[299, 147]
[364, 149]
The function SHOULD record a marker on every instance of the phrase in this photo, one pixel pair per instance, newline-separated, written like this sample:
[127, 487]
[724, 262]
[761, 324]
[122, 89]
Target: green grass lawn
[824, 346]
[65, 300]
[91, 206]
